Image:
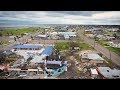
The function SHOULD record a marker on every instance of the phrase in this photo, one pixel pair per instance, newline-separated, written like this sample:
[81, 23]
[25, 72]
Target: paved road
[114, 57]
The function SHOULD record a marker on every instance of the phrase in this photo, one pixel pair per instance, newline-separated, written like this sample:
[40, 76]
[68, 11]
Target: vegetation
[115, 35]
[110, 63]
[66, 45]
[4, 42]
[108, 32]
[116, 50]
[11, 59]
[113, 49]
[78, 71]
[62, 46]
[2, 57]
[1, 34]
[20, 31]
[102, 42]
[84, 46]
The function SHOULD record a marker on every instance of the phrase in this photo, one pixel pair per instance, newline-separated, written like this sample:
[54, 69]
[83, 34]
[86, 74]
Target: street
[114, 57]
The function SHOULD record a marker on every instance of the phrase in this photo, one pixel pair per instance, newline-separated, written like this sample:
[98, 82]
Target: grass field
[66, 45]
[116, 50]
[11, 59]
[4, 42]
[62, 46]
[85, 46]
[110, 63]
[19, 31]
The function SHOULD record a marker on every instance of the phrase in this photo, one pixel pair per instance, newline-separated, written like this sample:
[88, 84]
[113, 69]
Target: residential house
[108, 73]
[92, 58]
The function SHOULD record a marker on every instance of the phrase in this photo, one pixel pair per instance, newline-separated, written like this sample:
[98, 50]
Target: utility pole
[110, 54]
[94, 43]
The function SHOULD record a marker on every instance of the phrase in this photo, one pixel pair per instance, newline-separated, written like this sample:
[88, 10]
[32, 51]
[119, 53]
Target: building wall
[84, 60]
[96, 61]
[92, 61]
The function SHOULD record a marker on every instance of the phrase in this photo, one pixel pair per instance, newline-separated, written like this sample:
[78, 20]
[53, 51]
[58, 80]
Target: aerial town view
[59, 44]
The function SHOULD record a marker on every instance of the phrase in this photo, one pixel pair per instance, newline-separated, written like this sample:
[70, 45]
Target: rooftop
[109, 73]
[54, 62]
[94, 71]
[27, 46]
[48, 51]
[53, 66]
[92, 56]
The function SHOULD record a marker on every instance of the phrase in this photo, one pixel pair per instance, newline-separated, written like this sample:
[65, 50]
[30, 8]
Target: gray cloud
[56, 17]
[82, 13]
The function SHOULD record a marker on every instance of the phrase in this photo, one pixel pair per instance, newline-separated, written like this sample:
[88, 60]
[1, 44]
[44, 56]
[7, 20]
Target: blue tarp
[48, 50]
[27, 46]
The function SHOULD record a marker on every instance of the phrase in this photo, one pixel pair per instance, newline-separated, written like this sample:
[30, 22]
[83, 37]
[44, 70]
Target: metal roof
[67, 33]
[92, 56]
[109, 73]
[28, 46]
[42, 35]
[48, 50]
[54, 62]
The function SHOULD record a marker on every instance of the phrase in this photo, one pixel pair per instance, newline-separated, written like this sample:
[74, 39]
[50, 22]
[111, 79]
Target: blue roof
[48, 50]
[27, 46]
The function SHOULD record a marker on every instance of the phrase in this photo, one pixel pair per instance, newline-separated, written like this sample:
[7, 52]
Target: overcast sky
[61, 17]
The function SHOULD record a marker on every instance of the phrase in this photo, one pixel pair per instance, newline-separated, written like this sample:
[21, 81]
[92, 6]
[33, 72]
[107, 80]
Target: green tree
[15, 38]
[32, 37]
[2, 57]
[1, 34]
[11, 33]
[8, 33]
[22, 35]
[115, 35]
[57, 52]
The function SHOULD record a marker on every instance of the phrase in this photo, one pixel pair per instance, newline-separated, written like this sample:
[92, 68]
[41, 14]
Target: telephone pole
[110, 54]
